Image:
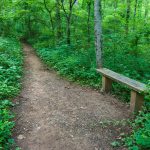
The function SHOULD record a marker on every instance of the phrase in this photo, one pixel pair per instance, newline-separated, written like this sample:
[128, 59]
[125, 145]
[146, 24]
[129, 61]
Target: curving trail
[54, 114]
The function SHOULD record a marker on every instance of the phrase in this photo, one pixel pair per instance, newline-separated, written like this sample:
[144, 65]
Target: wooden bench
[137, 99]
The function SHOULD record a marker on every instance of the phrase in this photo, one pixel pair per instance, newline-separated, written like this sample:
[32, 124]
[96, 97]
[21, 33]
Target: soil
[55, 114]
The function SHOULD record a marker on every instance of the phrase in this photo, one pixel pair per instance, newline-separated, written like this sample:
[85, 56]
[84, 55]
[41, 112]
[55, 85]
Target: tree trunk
[50, 17]
[135, 12]
[69, 17]
[68, 30]
[128, 16]
[135, 8]
[98, 32]
[58, 19]
[88, 22]
[146, 9]
[29, 26]
[69, 23]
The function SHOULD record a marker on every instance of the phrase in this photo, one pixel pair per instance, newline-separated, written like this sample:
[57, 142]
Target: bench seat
[135, 85]
[137, 99]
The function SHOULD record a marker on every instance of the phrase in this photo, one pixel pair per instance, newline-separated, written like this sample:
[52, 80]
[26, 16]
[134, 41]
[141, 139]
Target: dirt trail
[54, 114]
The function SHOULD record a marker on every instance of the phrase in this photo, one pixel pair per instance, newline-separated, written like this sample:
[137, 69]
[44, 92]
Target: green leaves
[76, 65]
[148, 93]
[140, 137]
[5, 125]
[11, 61]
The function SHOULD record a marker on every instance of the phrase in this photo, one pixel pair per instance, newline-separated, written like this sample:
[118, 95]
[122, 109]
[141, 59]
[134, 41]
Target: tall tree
[135, 12]
[135, 8]
[98, 32]
[58, 20]
[88, 20]
[146, 8]
[128, 10]
[50, 16]
[68, 16]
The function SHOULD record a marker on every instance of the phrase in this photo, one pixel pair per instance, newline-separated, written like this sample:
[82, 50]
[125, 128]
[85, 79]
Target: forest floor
[55, 114]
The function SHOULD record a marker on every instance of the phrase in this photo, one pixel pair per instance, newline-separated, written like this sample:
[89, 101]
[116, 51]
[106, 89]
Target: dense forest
[63, 33]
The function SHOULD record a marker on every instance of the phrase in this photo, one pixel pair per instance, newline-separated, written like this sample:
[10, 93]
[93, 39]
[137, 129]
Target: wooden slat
[135, 85]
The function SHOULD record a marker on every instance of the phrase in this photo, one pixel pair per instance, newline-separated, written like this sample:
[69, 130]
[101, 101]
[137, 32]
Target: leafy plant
[6, 125]
[74, 65]
[148, 94]
[140, 136]
[11, 60]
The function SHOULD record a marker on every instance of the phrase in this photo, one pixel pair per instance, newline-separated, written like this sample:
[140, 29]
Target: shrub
[6, 125]
[11, 61]
[140, 136]
[78, 63]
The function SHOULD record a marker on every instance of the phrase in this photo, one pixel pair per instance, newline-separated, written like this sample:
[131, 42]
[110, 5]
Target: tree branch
[46, 7]
[63, 7]
[73, 3]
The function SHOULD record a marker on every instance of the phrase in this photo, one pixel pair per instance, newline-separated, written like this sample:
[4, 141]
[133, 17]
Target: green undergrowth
[133, 134]
[77, 63]
[11, 60]
[139, 138]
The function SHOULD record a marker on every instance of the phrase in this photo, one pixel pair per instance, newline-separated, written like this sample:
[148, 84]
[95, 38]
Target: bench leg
[136, 101]
[106, 84]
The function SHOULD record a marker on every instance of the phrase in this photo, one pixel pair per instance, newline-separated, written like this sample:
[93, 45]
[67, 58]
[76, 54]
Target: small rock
[67, 87]
[20, 137]
[82, 107]
[71, 135]
[17, 103]
[38, 128]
